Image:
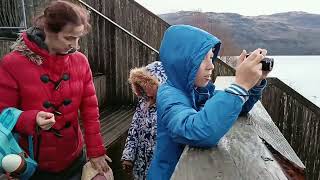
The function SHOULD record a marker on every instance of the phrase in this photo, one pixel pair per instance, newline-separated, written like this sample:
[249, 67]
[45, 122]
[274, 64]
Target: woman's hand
[100, 164]
[45, 120]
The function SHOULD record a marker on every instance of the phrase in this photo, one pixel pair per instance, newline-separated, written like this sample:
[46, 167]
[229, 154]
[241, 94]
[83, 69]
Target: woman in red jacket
[49, 80]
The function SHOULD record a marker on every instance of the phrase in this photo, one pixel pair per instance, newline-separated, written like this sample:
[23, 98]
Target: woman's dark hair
[60, 13]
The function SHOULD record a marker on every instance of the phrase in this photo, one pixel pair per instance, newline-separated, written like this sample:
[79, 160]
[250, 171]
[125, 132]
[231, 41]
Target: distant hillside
[291, 33]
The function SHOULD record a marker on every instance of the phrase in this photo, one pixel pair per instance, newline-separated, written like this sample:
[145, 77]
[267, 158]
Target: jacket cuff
[257, 90]
[94, 152]
[26, 123]
[239, 91]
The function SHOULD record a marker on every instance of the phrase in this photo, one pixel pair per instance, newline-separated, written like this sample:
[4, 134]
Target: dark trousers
[73, 172]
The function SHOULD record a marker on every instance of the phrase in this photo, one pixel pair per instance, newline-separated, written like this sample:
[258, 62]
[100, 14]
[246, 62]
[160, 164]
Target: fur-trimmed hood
[20, 46]
[141, 77]
[148, 76]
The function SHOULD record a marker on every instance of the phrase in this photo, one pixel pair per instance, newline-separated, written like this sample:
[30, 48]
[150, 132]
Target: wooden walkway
[115, 122]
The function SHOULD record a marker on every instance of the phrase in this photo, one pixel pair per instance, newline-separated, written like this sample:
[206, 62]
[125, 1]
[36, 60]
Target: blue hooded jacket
[182, 118]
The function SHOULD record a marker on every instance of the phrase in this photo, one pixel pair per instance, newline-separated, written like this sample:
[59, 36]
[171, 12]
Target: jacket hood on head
[151, 75]
[182, 50]
[141, 77]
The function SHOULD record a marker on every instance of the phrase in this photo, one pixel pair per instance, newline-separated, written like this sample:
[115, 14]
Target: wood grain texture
[4, 47]
[99, 84]
[299, 121]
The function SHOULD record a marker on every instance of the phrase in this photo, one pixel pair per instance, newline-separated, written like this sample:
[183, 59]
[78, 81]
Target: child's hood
[182, 50]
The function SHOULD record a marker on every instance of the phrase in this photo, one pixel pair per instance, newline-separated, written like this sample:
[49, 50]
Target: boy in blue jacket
[190, 110]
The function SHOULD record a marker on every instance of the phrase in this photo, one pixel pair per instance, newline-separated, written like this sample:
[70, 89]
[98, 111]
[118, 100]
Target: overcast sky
[243, 7]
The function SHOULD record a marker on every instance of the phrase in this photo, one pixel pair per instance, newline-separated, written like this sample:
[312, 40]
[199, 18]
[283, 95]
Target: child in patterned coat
[141, 138]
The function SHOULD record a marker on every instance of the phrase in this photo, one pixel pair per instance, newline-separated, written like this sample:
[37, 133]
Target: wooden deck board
[116, 123]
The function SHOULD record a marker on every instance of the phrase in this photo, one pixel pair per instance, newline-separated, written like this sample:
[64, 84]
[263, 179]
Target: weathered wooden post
[242, 153]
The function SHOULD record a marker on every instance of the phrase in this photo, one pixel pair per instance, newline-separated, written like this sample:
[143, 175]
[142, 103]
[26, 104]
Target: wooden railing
[296, 117]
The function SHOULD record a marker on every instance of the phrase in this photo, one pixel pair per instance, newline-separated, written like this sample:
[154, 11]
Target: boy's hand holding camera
[249, 69]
